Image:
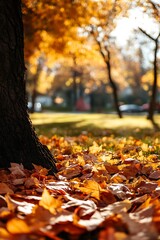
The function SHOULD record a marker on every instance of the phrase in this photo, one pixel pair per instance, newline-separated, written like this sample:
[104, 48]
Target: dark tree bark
[18, 141]
[154, 86]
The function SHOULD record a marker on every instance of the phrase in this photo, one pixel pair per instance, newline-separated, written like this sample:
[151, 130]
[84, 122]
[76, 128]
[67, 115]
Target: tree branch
[144, 32]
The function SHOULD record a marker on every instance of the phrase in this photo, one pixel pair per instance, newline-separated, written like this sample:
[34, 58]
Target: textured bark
[154, 86]
[155, 72]
[18, 141]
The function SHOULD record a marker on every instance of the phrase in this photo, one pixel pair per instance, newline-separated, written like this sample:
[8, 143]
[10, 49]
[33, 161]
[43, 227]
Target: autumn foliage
[105, 188]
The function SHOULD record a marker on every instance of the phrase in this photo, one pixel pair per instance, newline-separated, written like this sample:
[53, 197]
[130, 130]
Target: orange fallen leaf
[5, 189]
[4, 234]
[17, 226]
[91, 188]
[49, 202]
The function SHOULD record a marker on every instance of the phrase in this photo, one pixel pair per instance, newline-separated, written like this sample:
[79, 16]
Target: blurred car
[37, 107]
[145, 107]
[130, 108]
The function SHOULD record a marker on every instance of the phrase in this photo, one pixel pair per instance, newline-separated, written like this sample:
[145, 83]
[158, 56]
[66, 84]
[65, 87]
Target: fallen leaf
[91, 188]
[155, 175]
[4, 234]
[17, 226]
[5, 189]
[49, 202]
[17, 169]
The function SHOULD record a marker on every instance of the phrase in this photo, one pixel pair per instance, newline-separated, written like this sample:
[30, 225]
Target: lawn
[97, 124]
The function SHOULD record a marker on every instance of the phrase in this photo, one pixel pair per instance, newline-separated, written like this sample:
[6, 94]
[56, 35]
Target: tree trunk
[74, 82]
[154, 86]
[113, 85]
[106, 57]
[18, 141]
[35, 83]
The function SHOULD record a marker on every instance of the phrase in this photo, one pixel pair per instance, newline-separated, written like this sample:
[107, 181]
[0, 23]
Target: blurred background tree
[98, 50]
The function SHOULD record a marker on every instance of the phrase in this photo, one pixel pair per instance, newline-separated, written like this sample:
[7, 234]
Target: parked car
[130, 108]
[145, 107]
[37, 106]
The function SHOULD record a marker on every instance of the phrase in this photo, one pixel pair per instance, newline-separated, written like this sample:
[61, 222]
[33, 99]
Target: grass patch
[96, 124]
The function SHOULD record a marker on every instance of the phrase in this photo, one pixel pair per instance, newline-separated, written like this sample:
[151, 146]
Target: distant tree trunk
[18, 141]
[154, 86]
[105, 53]
[113, 85]
[74, 88]
[74, 82]
[35, 83]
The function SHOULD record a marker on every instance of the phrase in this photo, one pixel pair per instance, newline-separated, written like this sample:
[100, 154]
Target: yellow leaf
[92, 188]
[95, 148]
[17, 226]
[4, 234]
[49, 202]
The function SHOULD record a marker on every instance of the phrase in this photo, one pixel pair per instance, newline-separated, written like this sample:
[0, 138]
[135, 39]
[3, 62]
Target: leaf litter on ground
[105, 188]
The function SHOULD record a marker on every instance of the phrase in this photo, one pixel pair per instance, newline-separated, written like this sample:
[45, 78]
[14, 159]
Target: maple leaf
[49, 202]
[90, 187]
[95, 148]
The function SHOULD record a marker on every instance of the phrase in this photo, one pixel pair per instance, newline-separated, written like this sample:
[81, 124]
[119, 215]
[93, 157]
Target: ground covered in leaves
[106, 188]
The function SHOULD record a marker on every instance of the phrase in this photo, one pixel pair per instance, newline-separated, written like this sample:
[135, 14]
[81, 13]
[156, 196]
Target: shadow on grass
[73, 129]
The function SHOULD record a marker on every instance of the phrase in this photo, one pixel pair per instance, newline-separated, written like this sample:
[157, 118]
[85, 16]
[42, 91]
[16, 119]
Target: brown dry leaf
[49, 234]
[108, 233]
[131, 170]
[112, 169]
[49, 202]
[70, 228]
[155, 175]
[130, 161]
[92, 223]
[17, 169]
[88, 205]
[31, 182]
[5, 189]
[120, 190]
[19, 181]
[116, 208]
[140, 223]
[22, 206]
[41, 170]
[71, 171]
[146, 187]
[60, 187]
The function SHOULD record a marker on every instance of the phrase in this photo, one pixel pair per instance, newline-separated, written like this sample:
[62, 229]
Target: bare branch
[144, 32]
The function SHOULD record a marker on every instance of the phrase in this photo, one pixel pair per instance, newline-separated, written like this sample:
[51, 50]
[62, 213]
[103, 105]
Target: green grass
[97, 124]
